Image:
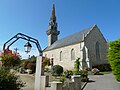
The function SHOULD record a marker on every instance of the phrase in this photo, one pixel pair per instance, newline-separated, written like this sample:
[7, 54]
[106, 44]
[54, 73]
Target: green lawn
[106, 72]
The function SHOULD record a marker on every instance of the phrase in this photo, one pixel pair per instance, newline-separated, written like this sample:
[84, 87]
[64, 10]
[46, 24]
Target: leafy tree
[25, 62]
[30, 63]
[32, 59]
[114, 58]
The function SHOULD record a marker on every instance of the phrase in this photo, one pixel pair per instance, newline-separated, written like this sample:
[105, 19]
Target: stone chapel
[89, 45]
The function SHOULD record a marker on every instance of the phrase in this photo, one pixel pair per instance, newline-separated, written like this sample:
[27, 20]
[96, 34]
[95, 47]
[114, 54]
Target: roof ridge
[71, 39]
[78, 32]
[91, 28]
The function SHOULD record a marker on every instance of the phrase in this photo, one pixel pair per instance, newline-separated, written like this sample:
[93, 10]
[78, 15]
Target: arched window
[61, 56]
[97, 47]
[72, 54]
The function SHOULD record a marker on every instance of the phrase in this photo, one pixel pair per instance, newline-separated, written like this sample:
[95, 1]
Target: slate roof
[72, 39]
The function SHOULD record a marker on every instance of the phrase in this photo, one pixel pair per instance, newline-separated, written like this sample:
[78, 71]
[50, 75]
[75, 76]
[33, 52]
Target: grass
[106, 72]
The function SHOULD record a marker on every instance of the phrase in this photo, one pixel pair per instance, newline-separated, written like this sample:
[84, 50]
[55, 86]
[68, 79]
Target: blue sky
[31, 17]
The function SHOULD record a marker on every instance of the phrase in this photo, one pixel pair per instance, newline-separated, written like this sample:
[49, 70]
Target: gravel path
[29, 80]
[102, 82]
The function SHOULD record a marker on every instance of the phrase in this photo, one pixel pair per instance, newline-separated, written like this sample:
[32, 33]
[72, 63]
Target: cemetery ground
[97, 82]
[29, 80]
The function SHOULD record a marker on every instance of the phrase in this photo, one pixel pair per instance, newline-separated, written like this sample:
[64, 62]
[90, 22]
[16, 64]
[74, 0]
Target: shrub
[62, 79]
[45, 61]
[117, 77]
[114, 58]
[84, 75]
[10, 59]
[9, 81]
[95, 71]
[56, 70]
[103, 67]
[77, 66]
[68, 73]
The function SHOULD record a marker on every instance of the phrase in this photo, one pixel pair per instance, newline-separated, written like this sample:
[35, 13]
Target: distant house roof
[72, 39]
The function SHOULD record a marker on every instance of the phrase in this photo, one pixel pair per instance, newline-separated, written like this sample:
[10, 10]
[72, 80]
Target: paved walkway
[102, 82]
[29, 80]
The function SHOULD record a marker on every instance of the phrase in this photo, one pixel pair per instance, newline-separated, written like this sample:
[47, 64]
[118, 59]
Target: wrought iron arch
[22, 36]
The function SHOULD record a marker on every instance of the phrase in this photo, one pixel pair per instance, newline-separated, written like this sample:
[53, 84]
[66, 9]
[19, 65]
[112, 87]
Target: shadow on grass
[106, 72]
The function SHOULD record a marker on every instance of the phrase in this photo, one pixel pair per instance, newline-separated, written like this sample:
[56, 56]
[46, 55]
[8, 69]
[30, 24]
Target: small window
[72, 54]
[97, 52]
[61, 56]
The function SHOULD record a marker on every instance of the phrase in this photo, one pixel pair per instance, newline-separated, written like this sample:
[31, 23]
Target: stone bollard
[77, 82]
[71, 85]
[56, 85]
[44, 82]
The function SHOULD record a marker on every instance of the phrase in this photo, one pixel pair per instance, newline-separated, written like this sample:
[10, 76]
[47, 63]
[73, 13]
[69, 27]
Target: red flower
[7, 58]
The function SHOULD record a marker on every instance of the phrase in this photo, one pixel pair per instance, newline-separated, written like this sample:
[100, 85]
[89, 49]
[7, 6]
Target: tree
[33, 59]
[30, 63]
[114, 58]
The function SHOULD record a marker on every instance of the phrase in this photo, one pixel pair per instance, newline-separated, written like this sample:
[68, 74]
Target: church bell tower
[52, 31]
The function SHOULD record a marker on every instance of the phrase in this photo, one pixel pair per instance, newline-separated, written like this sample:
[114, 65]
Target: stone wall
[66, 61]
[90, 41]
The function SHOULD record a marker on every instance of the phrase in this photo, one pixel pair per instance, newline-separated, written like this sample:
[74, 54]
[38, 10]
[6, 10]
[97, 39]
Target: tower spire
[53, 11]
[52, 31]
[53, 17]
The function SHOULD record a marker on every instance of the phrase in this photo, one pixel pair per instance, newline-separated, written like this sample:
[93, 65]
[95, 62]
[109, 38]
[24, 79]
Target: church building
[89, 45]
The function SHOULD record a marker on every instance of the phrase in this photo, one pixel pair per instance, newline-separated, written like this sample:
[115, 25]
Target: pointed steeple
[53, 12]
[52, 31]
[53, 17]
